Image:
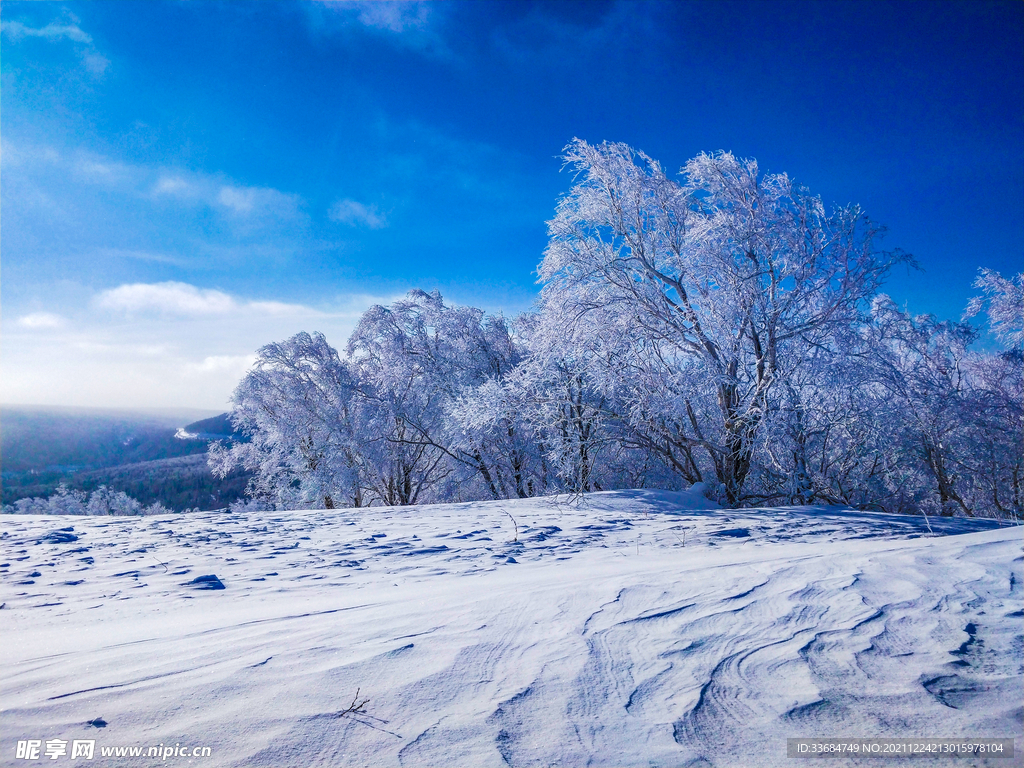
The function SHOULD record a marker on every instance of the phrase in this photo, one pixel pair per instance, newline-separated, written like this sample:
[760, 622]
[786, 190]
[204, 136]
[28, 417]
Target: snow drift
[620, 629]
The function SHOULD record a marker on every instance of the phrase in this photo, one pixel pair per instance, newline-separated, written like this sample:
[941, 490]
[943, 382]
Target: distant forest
[152, 458]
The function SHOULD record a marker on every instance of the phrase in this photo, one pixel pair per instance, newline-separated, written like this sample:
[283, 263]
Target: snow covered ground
[625, 628]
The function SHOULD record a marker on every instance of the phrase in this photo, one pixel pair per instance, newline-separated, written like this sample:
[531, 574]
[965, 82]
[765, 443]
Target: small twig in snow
[516, 539]
[354, 708]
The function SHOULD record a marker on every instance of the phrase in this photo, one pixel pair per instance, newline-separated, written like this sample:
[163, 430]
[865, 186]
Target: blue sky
[183, 182]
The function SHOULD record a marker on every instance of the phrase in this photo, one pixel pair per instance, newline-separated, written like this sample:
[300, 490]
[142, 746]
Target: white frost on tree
[721, 329]
[295, 404]
[1003, 302]
[730, 275]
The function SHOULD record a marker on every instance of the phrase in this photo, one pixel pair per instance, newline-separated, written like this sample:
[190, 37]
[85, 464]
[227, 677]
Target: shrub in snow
[102, 501]
[250, 505]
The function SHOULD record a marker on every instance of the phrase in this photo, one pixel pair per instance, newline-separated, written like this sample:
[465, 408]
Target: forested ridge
[45, 449]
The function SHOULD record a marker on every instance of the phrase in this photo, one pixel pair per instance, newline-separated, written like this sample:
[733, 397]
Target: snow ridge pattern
[621, 628]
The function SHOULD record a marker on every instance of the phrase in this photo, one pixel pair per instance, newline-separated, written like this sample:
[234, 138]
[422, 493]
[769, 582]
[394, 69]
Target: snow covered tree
[391, 423]
[994, 427]
[923, 365]
[490, 422]
[295, 404]
[731, 277]
[721, 329]
[996, 414]
[1003, 301]
[900, 414]
[417, 362]
[834, 435]
[404, 358]
[102, 501]
[567, 419]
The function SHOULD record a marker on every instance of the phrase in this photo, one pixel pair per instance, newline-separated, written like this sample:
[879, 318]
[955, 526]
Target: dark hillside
[73, 440]
[214, 428]
[137, 453]
[182, 482]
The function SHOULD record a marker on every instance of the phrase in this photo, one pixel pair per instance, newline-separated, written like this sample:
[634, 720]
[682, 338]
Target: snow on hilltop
[621, 628]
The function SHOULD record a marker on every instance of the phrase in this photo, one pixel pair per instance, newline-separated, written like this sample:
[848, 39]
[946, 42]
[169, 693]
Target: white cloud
[355, 213]
[139, 255]
[258, 202]
[22, 154]
[93, 169]
[185, 300]
[56, 32]
[172, 185]
[235, 364]
[52, 31]
[41, 321]
[279, 308]
[259, 215]
[166, 298]
[392, 15]
[236, 200]
[240, 200]
[95, 63]
[182, 348]
[408, 23]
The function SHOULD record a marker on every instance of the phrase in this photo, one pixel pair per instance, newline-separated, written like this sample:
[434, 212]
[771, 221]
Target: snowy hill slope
[629, 628]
